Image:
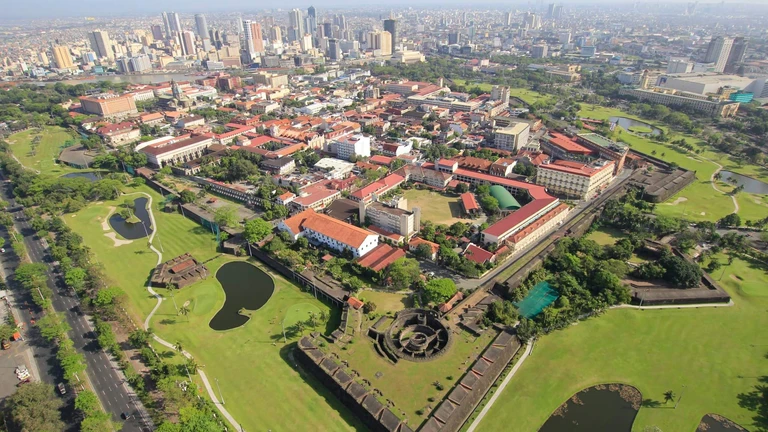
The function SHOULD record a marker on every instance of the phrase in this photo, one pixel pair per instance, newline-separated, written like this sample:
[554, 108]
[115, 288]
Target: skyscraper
[275, 34]
[380, 40]
[166, 25]
[390, 25]
[736, 56]
[62, 57]
[157, 31]
[202, 26]
[312, 16]
[253, 38]
[334, 49]
[188, 43]
[508, 19]
[295, 25]
[718, 51]
[328, 30]
[101, 44]
[175, 22]
[454, 38]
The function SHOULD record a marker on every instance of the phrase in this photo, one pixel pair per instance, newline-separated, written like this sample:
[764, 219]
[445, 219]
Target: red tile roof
[355, 303]
[525, 232]
[577, 168]
[469, 202]
[512, 221]
[477, 254]
[380, 257]
[416, 241]
[381, 186]
[381, 160]
[567, 144]
[344, 233]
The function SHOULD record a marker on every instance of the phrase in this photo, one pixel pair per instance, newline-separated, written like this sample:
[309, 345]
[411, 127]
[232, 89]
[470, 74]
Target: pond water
[133, 231]
[90, 175]
[717, 423]
[627, 123]
[610, 407]
[246, 287]
[750, 185]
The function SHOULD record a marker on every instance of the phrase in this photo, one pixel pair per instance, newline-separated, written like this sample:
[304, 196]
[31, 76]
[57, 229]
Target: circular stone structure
[417, 335]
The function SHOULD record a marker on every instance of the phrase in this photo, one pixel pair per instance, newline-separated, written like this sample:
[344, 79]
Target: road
[105, 377]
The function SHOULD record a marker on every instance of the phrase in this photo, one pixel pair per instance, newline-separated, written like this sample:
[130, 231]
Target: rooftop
[578, 168]
[602, 141]
[344, 233]
[380, 257]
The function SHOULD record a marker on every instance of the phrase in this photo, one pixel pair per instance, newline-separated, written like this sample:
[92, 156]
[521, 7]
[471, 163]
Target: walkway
[206, 383]
[507, 379]
[714, 184]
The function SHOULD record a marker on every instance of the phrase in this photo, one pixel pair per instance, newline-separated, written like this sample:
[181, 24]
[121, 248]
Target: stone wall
[352, 394]
[473, 386]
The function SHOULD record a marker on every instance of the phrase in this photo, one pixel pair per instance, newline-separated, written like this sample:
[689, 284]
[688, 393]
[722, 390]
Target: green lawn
[605, 236]
[43, 157]
[436, 207]
[128, 266]
[716, 353]
[386, 301]
[261, 387]
[411, 384]
[528, 96]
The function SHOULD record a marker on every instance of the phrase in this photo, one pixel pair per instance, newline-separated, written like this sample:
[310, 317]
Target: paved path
[165, 343]
[714, 184]
[688, 306]
[507, 379]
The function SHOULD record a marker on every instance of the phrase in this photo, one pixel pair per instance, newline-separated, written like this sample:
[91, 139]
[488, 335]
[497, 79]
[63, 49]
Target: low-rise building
[575, 179]
[377, 188]
[119, 134]
[109, 105]
[335, 168]
[326, 231]
[393, 216]
[512, 138]
[152, 119]
[279, 166]
[190, 121]
[356, 145]
[176, 150]
[413, 245]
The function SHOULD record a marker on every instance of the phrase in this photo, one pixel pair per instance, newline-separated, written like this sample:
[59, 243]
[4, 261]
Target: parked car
[62, 388]
[2, 250]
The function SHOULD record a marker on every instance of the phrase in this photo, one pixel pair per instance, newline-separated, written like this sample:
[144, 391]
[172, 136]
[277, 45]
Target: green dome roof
[506, 200]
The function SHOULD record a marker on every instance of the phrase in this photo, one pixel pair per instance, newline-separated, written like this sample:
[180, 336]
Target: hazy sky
[32, 9]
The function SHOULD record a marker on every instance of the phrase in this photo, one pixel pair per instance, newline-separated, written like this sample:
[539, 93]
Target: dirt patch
[679, 200]
[118, 242]
[703, 213]
[736, 278]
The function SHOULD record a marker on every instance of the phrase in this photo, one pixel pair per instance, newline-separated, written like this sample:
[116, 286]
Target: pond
[750, 185]
[635, 125]
[609, 407]
[133, 231]
[245, 287]
[717, 423]
[90, 175]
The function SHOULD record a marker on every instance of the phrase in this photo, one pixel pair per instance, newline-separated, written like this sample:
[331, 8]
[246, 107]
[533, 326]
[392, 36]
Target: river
[133, 79]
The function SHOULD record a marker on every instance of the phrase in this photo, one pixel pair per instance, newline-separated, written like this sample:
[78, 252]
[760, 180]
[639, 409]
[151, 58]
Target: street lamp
[681, 397]
[220, 394]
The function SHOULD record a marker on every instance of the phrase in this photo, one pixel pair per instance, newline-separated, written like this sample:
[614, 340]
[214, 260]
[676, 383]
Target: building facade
[575, 179]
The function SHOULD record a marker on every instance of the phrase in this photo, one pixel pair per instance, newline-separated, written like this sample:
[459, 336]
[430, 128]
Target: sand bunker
[118, 242]
[105, 222]
[679, 200]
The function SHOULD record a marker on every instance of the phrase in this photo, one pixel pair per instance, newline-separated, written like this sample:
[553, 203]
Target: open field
[410, 384]
[386, 301]
[43, 158]
[260, 386]
[606, 236]
[716, 353]
[128, 265]
[528, 96]
[436, 207]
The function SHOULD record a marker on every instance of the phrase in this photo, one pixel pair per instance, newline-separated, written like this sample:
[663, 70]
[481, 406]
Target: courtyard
[439, 208]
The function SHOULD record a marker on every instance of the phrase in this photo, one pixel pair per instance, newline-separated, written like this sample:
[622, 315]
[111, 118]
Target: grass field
[411, 384]
[528, 96]
[436, 207]
[128, 266]
[43, 158]
[606, 236]
[299, 312]
[386, 301]
[716, 353]
[261, 387]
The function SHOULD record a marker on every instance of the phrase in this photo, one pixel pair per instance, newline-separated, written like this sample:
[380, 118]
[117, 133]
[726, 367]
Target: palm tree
[192, 366]
[184, 310]
[300, 327]
[312, 319]
[669, 395]
[663, 154]
[323, 316]
[179, 347]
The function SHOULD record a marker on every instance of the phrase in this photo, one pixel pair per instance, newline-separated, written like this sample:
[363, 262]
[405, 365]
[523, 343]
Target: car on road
[62, 388]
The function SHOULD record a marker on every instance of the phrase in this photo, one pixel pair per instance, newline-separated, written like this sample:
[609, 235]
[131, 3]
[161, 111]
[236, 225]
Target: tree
[75, 278]
[731, 220]
[226, 216]
[669, 395]
[403, 272]
[184, 310]
[187, 196]
[35, 407]
[424, 251]
[439, 290]
[52, 326]
[257, 229]
[97, 422]
[502, 312]
[179, 347]
[87, 402]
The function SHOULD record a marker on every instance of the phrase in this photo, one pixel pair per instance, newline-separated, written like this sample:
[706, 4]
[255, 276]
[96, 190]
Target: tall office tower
[380, 40]
[175, 22]
[167, 25]
[254, 42]
[328, 30]
[564, 37]
[558, 13]
[679, 65]
[269, 21]
[390, 25]
[157, 31]
[551, 10]
[341, 21]
[101, 44]
[188, 43]
[312, 20]
[718, 51]
[202, 26]
[334, 49]
[215, 38]
[531, 21]
[508, 19]
[295, 25]
[454, 38]
[61, 57]
[42, 57]
[275, 34]
[140, 63]
[736, 56]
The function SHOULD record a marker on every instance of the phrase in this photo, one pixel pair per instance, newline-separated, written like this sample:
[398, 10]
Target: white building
[575, 179]
[329, 232]
[356, 145]
[312, 109]
[513, 137]
[174, 151]
[392, 216]
[335, 168]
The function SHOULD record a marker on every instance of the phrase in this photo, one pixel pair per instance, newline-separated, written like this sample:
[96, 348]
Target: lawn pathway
[714, 184]
[206, 383]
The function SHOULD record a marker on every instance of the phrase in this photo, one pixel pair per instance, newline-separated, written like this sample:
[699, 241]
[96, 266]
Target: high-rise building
[157, 31]
[254, 41]
[390, 25]
[454, 38]
[202, 26]
[275, 34]
[328, 30]
[101, 44]
[188, 43]
[380, 40]
[718, 51]
[140, 63]
[167, 25]
[508, 19]
[334, 49]
[551, 10]
[306, 43]
[341, 21]
[679, 65]
[62, 57]
[312, 20]
[295, 25]
[736, 56]
[539, 51]
[175, 22]
[531, 21]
